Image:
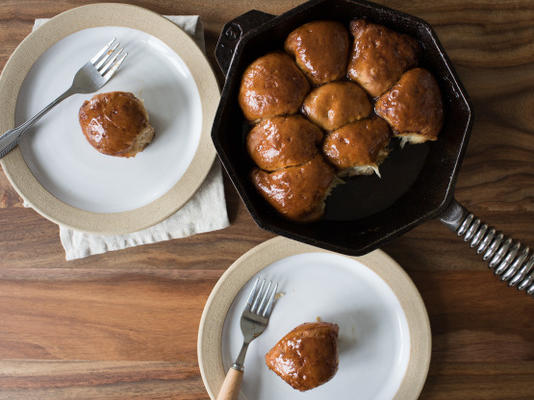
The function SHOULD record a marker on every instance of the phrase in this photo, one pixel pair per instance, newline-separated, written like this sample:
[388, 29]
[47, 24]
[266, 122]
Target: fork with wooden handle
[254, 320]
[89, 78]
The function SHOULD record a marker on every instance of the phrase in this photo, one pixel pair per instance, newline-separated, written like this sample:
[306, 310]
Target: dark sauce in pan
[365, 195]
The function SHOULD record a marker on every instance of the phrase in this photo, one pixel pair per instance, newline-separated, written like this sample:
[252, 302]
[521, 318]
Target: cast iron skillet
[417, 182]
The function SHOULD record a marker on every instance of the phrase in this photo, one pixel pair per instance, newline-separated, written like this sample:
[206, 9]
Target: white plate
[55, 169]
[374, 339]
[62, 159]
[384, 336]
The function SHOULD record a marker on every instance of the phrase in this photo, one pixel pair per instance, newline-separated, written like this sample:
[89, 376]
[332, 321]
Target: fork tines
[261, 298]
[105, 65]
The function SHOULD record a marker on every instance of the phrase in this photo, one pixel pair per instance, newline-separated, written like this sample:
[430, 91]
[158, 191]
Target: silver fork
[254, 320]
[89, 78]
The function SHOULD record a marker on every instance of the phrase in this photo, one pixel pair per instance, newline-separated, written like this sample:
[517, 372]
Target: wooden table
[124, 325]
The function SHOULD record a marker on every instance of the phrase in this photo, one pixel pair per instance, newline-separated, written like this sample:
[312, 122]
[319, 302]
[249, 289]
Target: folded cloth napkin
[204, 212]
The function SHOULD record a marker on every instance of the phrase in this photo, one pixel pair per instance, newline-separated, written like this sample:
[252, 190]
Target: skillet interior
[418, 180]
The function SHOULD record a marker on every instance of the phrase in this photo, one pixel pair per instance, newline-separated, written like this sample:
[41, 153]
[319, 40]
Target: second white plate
[384, 336]
[374, 339]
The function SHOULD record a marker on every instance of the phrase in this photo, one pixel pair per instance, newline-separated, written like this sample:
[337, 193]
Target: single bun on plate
[297, 192]
[281, 142]
[116, 124]
[272, 85]
[335, 104]
[358, 148]
[379, 56]
[413, 107]
[307, 356]
[320, 49]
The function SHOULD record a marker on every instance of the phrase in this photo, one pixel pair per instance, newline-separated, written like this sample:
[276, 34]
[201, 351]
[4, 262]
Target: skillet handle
[509, 259]
[231, 35]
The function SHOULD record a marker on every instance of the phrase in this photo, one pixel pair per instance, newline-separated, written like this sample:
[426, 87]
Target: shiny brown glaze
[335, 104]
[320, 49]
[357, 144]
[272, 85]
[307, 356]
[298, 192]
[112, 122]
[413, 106]
[379, 56]
[281, 142]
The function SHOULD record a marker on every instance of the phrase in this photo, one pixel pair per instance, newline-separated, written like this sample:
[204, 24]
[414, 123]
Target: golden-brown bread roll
[379, 56]
[413, 107]
[320, 49]
[358, 148]
[116, 124]
[297, 192]
[272, 85]
[335, 104]
[307, 356]
[281, 142]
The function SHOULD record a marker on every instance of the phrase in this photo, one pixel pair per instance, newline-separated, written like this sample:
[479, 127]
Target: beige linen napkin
[204, 212]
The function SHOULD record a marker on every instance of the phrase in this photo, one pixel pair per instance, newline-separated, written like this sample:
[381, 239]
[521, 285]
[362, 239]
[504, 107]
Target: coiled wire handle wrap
[512, 261]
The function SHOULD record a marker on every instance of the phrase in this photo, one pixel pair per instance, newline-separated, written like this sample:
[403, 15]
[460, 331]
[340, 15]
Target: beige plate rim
[89, 16]
[259, 257]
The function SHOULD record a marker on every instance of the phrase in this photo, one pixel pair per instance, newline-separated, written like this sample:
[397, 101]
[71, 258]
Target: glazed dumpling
[116, 124]
[336, 104]
[272, 85]
[281, 142]
[320, 49]
[307, 356]
[297, 192]
[413, 107]
[379, 56]
[358, 148]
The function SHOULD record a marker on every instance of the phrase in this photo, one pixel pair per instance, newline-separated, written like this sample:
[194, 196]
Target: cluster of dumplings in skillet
[312, 109]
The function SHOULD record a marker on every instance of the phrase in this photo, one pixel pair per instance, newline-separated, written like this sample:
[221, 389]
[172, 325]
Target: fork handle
[231, 385]
[11, 138]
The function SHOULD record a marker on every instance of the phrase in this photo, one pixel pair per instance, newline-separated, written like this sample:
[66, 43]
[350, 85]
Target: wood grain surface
[123, 325]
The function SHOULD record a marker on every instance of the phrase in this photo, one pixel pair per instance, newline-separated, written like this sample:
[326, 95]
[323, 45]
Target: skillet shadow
[233, 200]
